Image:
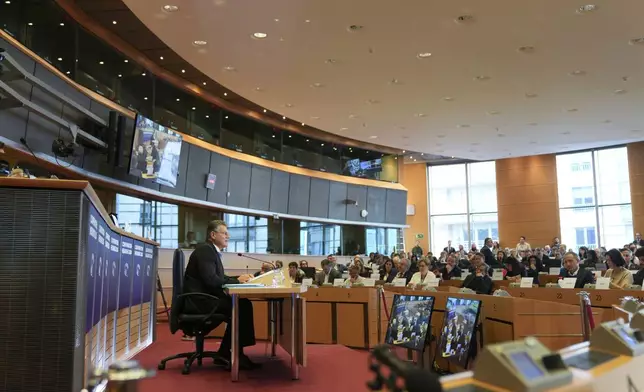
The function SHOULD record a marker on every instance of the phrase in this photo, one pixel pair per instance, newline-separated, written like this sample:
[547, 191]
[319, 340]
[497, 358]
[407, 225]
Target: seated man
[205, 274]
[266, 267]
[354, 276]
[328, 273]
[480, 280]
[571, 269]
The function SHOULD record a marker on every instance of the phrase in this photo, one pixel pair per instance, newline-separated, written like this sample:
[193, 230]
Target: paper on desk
[338, 282]
[567, 283]
[432, 281]
[307, 282]
[526, 282]
[368, 282]
[602, 283]
[243, 285]
[554, 271]
[400, 282]
[497, 274]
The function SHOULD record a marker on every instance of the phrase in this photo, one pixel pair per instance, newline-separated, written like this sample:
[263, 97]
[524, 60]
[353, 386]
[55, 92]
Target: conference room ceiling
[475, 80]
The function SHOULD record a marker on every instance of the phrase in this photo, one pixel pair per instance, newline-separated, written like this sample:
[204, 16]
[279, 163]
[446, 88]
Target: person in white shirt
[190, 241]
[354, 277]
[523, 245]
[422, 277]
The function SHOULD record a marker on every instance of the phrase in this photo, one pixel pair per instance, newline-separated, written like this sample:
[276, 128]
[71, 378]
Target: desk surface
[266, 291]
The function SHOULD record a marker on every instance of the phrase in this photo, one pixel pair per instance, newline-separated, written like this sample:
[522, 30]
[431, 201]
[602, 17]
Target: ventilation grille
[39, 237]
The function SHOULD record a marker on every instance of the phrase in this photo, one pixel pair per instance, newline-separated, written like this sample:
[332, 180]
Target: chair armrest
[214, 310]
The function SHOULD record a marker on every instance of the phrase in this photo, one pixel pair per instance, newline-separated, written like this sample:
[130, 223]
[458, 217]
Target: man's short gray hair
[214, 226]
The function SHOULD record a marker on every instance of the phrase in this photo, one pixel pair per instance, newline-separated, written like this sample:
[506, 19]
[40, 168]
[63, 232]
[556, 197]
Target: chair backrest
[178, 268]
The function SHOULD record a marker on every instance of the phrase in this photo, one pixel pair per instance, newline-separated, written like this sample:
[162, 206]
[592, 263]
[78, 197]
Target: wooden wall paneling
[319, 327]
[527, 199]
[414, 178]
[350, 321]
[636, 173]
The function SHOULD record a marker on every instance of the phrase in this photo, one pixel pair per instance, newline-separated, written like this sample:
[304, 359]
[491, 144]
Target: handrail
[35, 108]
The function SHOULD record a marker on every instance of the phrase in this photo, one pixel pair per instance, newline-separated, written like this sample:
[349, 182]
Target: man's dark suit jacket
[584, 277]
[490, 260]
[205, 274]
[480, 284]
[333, 274]
[390, 277]
[407, 275]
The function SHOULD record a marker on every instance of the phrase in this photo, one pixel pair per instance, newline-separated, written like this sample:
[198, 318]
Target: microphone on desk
[256, 259]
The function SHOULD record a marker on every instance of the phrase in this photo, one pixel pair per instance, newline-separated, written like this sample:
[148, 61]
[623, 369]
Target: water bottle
[275, 283]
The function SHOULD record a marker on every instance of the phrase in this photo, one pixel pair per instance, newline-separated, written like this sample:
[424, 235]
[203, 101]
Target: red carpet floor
[329, 368]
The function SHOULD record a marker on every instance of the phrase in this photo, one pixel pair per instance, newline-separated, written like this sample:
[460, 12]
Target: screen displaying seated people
[409, 321]
[155, 152]
[461, 316]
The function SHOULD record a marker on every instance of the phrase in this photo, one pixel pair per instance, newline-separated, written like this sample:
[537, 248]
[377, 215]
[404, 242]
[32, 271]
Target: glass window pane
[575, 179]
[579, 228]
[611, 171]
[483, 226]
[446, 228]
[482, 187]
[447, 190]
[615, 225]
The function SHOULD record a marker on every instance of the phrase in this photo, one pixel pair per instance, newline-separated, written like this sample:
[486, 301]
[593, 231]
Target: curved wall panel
[243, 182]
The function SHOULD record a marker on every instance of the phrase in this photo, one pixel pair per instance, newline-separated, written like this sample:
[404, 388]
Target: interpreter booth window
[462, 205]
[318, 239]
[382, 240]
[150, 219]
[247, 233]
[594, 198]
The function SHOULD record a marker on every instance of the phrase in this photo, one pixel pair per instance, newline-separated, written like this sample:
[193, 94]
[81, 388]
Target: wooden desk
[291, 324]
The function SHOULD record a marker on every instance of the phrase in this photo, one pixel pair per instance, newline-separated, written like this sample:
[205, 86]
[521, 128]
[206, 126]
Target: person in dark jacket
[490, 258]
[514, 269]
[479, 281]
[638, 278]
[388, 272]
[450, 270]
[534, 267]
[572, 269]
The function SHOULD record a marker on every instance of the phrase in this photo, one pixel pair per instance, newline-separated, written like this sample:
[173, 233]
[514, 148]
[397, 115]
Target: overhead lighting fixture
[283, 117]
[482, 78]
[259, 89]
[577, 72]
[372, 101]
[120, 76]
[226, 118]
[178, 99]
[460, 126]
[424, 55]
[207, 116]
[404, 151]
[331, 61]
[530, 95]
[68, 72]
[307, 140]
[7, 2]
[464, 19]
[160, 57]
[194, 108]
[145, 98]
[584, 9]
[170, 8]
[527, 49]
[493, 113]
[276, 20]
[183, 71]
[225, 94]
[307, 21]
[373, 137]
[260, 35]
[200, 43]
[344, 129]
[317, 85]
[322, 144]
[302, 124]
[101, 62]
[420, 115]
[30, 24]
[288, 105]
[264, 110]
[143, 74]
[60, 59]
[335, 149]
[114, 22]
[619, 92]
[204, 83]
[126, 61]
[448, 99]
[273, 136]
[290, 136]
[230, 69]
[61, 23]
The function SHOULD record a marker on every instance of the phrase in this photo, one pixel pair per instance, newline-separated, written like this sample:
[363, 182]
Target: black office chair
[197, 325]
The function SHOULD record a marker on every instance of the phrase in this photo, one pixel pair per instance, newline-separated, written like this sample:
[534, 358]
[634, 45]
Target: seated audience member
[294, 273]
[304, 263]
[279, 264]
[450, 270]
[420, 278]
[362, 270]
[266, 267]
[480, 280]
[514, 270]
[477, 259]
[572, 269]
[500, 257]
[388, 272]
[354, 277]
[628, 259]
[328, 273]
[583, 253]
[404, 271]
[191, 240]
[638, 278]
[620, 277]
[534, 267]
[523, 245]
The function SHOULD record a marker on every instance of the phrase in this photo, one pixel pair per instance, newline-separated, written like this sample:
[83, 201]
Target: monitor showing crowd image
[459, 325]
[155, 152]
[409, 321]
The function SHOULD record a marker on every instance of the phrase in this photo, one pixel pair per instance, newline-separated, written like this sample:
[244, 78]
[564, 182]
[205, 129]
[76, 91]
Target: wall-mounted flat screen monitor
[409, 322]
[358, 168]
[155, 152]
[459, 325]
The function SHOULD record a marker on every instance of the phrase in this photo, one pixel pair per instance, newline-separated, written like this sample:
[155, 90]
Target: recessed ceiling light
[584, 9]
[335, 149]
[200, 43]
[183, 71]
[493, 113]
[395, 81]
[572, 110]
[207, 116]
[101, 62]
[315, 117]
[403, 151]
[7, 2]
[423, 55]
[464, 19]
[178, 99]
[61, 23]
[225, 94]
[530, 95]
[114, 22]
[160, 57]
[620, 91]
[352, 116]
[194, 108]
[226, 117]
[317, 85]
[126, 61]
[145, 98]
[354, 28]
[482, 78]
[414, 160]
[372, 101]
[307, 21]
[288, 105]
[120, 76]
[283, 117]
[204, 83]
[170, 8]
[230, 69]
[290, 136]
[69, 72]
[143, 74]
[577, 72]
[463, 126]
[60, 59]
[373, 137]
[448, 99]
[526, 49]
[420, 115]
[259, 89]
[344, 129]
[322, 144]
[303, 124]
[264, 110]
[307, 140]
[273, 136]
[636, 41]
[331, 61]
[30, 24]
[260, 35]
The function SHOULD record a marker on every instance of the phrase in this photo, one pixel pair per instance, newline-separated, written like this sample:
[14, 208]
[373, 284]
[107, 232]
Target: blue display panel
[113, 273]
[97, 314]
[126, 273]
[91, 260]
[148, 278]
[137, 283]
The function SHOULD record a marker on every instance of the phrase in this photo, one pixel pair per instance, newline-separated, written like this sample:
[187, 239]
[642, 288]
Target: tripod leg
[160, 290]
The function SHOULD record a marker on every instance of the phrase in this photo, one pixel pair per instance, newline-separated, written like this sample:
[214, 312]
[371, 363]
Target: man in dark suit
[328, 273]
[205, 274]
[404, 270]
[490, 260]
[572, 269]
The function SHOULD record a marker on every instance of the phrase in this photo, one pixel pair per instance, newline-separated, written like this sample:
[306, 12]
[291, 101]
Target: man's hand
[245, 278]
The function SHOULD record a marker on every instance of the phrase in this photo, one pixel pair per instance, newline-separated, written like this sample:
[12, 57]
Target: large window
[595, 198]
[247, 233]
[462, 205]
[318, 239]
[383, 240]
[150, 219]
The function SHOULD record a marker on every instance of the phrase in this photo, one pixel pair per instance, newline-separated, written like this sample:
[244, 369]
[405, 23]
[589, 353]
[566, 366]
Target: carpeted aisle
[329, 368]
